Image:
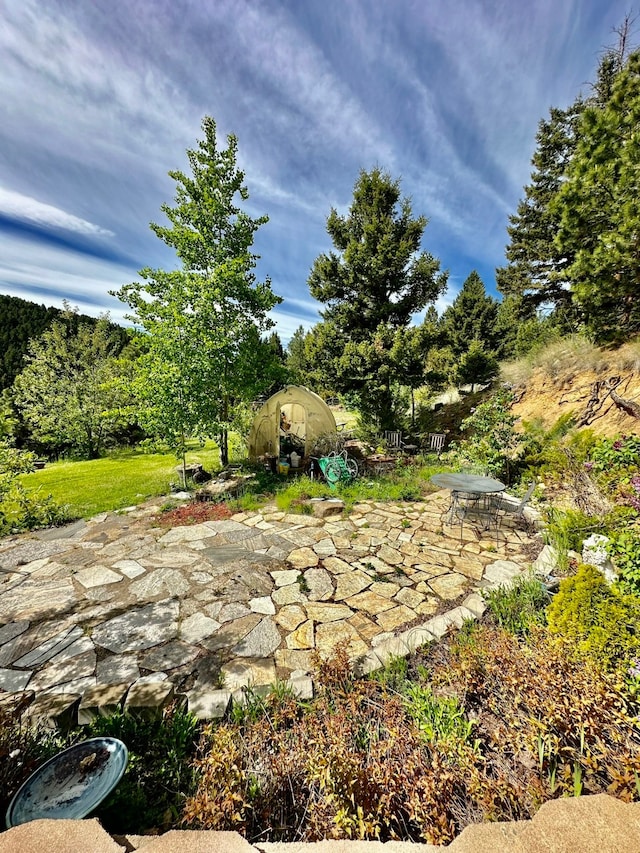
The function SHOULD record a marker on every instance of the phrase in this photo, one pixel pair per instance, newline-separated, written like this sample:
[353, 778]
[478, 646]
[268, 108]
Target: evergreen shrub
[598, 621]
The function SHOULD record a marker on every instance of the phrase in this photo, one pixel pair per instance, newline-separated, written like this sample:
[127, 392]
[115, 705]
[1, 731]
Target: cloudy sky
[100, 98]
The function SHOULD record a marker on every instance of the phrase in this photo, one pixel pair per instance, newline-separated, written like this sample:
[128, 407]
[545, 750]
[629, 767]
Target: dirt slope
[588, 392]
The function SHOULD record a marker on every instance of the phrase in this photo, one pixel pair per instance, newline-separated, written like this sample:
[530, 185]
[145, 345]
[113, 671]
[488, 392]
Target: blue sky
[100, 99]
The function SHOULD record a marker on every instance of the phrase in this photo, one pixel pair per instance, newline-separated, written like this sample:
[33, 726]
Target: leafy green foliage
[204, 320]
[624, 549]
[595, 620]
[21, 509]
[567, 529]
[519, 606]
[22, 321]
[491, 443]
[74, 392]
[159, 776]
[440, 719]
[22, 749]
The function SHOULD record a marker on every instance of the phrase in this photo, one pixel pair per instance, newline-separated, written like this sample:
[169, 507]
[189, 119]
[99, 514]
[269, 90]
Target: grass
[119, 480]
[407, 483]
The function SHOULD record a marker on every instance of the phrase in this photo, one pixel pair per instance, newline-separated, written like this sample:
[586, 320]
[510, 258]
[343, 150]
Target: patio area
[118, 606]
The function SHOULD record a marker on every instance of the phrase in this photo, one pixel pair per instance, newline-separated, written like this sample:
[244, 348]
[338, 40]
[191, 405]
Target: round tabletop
[467, 483]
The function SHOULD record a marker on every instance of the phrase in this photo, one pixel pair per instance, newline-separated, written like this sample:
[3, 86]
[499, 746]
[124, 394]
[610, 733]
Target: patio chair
[393, 440]
[435, 442]
[510, 506]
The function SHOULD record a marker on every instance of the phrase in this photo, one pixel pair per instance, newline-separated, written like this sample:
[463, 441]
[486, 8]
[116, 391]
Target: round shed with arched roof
[292, 416]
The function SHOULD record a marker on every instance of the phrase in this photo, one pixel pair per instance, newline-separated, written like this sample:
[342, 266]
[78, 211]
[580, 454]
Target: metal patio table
[469, 493]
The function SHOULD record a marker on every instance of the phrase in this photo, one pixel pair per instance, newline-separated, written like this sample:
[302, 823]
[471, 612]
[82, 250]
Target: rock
[262, 641]
[169, 656]
[290, 616]
[117, 669]
[248, 673]
[103, 700]
[449, 586]
[328, 636]
[303, 558]
[231, 633]
[285, 578]
[302, 637]
[370, 603]
[323, 509]
[319, 584]
[394, 618]
[97, 576]
[148, 699]
[321, 612]
[208, 704]
[139, 629]
[263, 605]
[350, 584]
[196, 627]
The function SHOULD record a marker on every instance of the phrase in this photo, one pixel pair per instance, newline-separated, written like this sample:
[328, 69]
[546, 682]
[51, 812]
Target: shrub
[553, 727]
[567, 529]
[22, 750]
[20, 509]
[596, 621]
[624, 549]
[492, 443]
[159, 776]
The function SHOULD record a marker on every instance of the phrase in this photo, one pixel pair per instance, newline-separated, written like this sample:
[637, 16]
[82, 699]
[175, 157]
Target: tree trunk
[224, 447]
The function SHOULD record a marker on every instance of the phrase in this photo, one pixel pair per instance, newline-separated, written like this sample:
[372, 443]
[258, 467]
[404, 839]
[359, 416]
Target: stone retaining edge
[570, 825]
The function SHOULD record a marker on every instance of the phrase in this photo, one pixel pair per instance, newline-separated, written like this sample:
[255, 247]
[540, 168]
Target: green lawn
[121, 479]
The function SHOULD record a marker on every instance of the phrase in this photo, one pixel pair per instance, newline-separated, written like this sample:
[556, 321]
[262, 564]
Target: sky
[99, 99]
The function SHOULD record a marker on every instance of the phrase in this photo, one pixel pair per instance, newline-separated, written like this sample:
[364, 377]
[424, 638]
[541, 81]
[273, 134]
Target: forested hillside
[20, 321]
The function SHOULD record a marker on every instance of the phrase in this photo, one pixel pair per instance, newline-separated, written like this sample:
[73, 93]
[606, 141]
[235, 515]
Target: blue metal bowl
[71, 784]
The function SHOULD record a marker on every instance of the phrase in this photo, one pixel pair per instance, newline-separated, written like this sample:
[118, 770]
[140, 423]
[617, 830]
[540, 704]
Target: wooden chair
[393, 440]
[435, 442]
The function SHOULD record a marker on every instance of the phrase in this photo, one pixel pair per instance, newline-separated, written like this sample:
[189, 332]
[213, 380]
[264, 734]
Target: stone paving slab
[119, 600]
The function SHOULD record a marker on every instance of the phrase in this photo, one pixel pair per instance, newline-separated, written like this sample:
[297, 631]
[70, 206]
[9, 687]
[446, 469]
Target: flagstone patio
[210, 608]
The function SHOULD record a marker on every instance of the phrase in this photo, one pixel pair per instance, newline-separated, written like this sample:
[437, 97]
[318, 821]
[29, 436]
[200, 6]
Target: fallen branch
[627, 406]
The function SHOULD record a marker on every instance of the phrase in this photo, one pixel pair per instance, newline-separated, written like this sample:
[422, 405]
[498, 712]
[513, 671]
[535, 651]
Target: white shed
[294, 412]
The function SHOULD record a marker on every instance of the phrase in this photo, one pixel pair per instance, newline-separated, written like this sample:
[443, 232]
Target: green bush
[439, 718]
[21, 509]
[491, 442]
[621, 452]
[598, 621]
[567, 529]
[624, 549]
[159, 776]
[519, 606]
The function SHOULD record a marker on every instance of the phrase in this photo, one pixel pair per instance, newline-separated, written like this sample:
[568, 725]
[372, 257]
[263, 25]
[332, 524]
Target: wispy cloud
[27, 209]
[102, 99]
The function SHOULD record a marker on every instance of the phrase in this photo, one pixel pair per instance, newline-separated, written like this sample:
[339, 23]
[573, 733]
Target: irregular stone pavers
[119, 600]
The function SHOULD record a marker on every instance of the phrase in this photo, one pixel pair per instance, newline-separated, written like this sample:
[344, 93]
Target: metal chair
[509, 505]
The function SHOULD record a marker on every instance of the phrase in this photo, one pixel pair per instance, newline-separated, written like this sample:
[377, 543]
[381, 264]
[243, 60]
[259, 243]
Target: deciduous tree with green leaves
[372, 284]
[204, 320]
[74, 392]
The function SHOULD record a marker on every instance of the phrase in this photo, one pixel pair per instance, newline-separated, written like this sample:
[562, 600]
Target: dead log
[627, 406]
